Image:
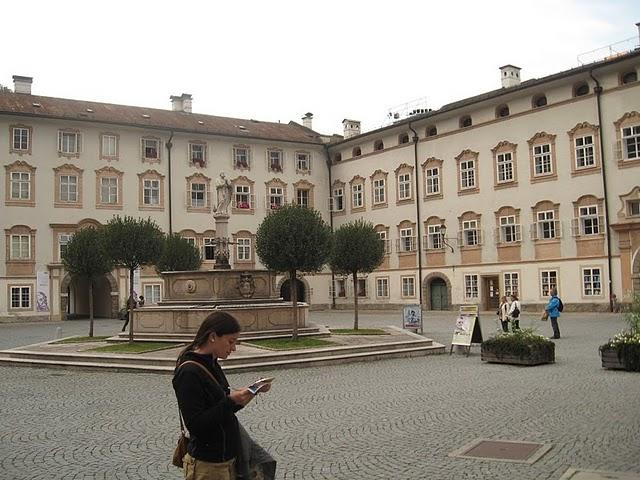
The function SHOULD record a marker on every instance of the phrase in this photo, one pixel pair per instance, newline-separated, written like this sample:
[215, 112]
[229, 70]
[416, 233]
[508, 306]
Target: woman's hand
[241, 397]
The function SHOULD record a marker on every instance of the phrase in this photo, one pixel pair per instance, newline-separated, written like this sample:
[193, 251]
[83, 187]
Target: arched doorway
[439, 297]
[285, 291]
[75, 297]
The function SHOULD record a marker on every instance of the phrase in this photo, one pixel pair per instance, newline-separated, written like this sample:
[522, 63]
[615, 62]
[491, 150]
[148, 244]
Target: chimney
[22, 84]
[351, 128]
[307, 120]
[510, 76]
[181, 103]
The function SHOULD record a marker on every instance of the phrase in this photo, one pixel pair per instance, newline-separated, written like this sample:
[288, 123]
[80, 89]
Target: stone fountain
[189, 297]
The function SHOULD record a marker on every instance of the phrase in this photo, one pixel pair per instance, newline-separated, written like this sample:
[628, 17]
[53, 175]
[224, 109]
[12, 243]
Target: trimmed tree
[133, 243]
[293, 239]
[356, 249]
[85, 258]
[178, 255]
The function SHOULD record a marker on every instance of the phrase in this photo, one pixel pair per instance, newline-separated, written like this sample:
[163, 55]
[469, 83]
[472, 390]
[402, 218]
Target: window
[21, 139]
[434, 240]
[631, 142]
[151, 195]
[542, 159]
[584, 152]
[378, 145]
[302, 197]
[404, 186]
[591, 282]
[408, 286]
[502, 111]
[243, 249]
[471, 286]
[109, 190]
[21, 297]
[509, 231]
[191, 241]
[362, 287]
[276, 197]
[467, 174]
[20, 247]
[68, 142]
[589, 222]
[68, 188]
[580, 89]
[511, 284]
[382, 287]
[633, 208]
[302, 162]
[243, 196]
[150, 149]
[546, 225]
[504, 167]
[432, 131]
[379, 191]
[357, 197]
[407, 240]
[209, 248]
[337, 158]
[432, 181]
[275, 160]
[240, 157]
[382, 236]
[152, 294]
[357, 151]
[628, 77]
[109, 147]
[338, 199]
[197, 153]
[198, 195]
[403, 138]
[465, 121]
[470, 233]
[539, 101]
[548, 281]
[63, 240]
[20, 186]
[341, 288]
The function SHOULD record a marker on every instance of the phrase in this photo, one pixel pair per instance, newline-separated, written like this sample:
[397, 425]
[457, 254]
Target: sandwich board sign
[412, 317]
[467, 329]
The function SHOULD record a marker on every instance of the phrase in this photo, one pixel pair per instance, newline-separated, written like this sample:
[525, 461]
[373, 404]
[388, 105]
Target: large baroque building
[528, 187]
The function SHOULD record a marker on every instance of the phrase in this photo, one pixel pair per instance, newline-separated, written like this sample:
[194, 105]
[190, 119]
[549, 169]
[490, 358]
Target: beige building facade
[532, 186]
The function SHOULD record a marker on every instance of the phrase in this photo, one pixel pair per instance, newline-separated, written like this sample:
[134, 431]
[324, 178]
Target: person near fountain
[223, 194]
[207, 405]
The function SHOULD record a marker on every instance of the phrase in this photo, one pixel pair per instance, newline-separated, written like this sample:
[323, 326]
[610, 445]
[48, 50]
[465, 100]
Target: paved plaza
[389, 419]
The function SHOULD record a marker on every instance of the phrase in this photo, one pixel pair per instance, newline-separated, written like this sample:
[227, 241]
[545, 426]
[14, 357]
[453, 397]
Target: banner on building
[42, 291]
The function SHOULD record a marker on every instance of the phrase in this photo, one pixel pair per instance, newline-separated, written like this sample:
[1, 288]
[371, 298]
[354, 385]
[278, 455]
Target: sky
[276, 60]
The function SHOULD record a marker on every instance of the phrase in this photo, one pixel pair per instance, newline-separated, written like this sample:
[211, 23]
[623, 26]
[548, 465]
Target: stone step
[187, 337]
[258, 364]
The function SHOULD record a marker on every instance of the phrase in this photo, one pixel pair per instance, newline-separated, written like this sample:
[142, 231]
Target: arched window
[403, 138]
[357, 151]
[465, 121]
[502, 111]
[432, 131]
[580, 89]
[628, 77]
[378, 145]
[539, 101]
[337, 158]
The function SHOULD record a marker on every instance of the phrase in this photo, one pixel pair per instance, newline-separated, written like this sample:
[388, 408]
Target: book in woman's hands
[258, 385]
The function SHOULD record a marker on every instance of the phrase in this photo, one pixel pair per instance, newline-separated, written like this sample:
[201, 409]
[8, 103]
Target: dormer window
[403, 138]
[502, 111]
[580, 89]
[465, 121]
[539, 101]
[432, 131]
[628, 77]
[378, 145]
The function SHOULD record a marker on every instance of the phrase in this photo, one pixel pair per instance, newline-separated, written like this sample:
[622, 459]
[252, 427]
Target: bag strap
[183, 428]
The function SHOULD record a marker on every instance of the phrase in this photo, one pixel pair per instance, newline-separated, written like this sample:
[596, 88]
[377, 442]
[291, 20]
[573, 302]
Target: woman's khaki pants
[201, 470]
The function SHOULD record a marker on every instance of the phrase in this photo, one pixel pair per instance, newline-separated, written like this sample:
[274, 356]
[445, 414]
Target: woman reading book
[207, 405]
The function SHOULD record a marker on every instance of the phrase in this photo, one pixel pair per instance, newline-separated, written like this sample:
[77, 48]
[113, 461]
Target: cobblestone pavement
[389, 419]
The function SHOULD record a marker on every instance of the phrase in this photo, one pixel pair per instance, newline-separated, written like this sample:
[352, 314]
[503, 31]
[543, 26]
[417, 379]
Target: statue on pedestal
[223, 195]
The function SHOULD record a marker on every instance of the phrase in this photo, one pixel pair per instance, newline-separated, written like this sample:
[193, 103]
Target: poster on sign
[412, 316]
[464, 330]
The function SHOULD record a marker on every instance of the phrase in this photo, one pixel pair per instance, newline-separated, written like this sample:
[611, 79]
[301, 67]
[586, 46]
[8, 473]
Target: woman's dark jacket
[208, 412]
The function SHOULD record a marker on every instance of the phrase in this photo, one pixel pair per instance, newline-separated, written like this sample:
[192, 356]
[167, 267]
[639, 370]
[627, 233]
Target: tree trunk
[355, 300]
[131, 303]
[91, 307]
[293, 290]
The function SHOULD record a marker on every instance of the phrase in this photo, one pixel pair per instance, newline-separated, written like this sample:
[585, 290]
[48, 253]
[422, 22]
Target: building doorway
[285, 291]
[439, 296]
[491, 293]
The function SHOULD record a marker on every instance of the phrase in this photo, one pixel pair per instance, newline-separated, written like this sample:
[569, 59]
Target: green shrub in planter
[523, 347]
[625, 346]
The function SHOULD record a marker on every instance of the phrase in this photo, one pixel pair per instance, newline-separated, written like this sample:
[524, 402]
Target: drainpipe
[169, 145]
[598, 91]
[333, 275]
[417, 182]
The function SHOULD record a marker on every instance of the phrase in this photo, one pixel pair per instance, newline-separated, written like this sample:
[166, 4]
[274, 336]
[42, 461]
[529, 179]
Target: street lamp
[443, 235]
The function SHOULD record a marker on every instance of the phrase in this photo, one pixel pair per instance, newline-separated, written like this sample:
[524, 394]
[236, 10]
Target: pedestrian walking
[514, 312]
[503, 314]
[553, 308]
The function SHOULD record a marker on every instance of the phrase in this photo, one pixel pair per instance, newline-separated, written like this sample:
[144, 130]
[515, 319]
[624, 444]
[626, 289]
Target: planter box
[530, 360]
[611, 361]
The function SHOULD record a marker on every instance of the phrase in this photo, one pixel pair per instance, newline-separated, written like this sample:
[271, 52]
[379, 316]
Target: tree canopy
[178, 255]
